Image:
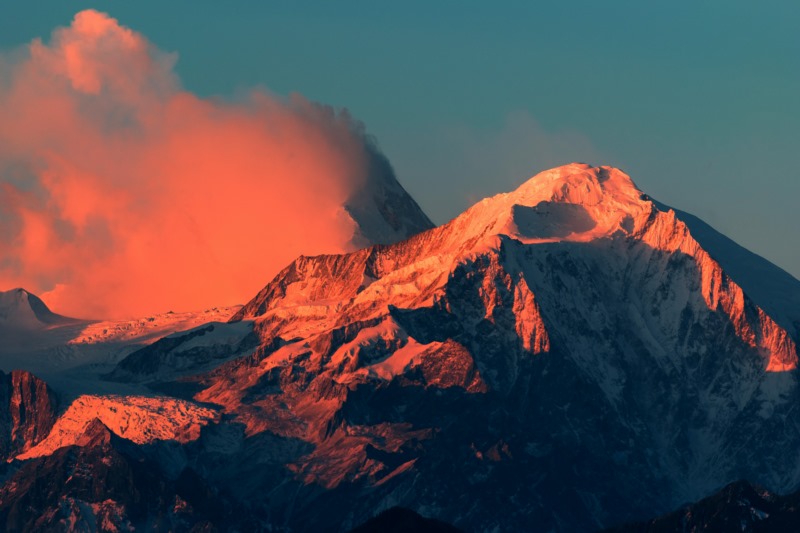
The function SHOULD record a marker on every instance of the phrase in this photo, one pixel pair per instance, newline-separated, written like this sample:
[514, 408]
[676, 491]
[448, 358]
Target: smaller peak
[95, 434]
[22, 308]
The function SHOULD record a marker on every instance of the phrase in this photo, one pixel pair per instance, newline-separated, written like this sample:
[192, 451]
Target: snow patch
[136, 418]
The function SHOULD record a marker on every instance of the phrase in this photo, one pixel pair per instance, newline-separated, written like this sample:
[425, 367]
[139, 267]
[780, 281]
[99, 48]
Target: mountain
[567, 356]
[382, 210]
[20, 309]
[570, 345]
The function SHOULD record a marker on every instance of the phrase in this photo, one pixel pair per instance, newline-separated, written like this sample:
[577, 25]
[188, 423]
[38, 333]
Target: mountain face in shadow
[400, 520]
[739, 506]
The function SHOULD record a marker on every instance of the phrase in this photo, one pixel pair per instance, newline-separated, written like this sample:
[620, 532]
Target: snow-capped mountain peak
[575, 202]
[600, 190]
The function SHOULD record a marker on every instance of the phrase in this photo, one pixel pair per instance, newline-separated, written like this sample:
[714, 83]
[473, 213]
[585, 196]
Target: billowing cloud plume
[123, 194]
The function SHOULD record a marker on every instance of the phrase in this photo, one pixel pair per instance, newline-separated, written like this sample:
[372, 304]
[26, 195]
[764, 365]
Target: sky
[697, 101]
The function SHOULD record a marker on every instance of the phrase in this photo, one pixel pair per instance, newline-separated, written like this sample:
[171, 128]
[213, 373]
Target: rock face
[105, 483]
[567, 356]
[27, 412]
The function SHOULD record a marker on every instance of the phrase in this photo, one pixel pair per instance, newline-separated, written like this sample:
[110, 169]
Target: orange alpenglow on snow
[597, 208]
[124, 194]
[139, 419]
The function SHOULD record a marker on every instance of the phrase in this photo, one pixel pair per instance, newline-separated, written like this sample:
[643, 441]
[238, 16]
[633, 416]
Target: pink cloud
[122, 194]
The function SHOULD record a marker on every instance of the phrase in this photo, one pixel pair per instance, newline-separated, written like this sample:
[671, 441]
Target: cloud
[123, 194]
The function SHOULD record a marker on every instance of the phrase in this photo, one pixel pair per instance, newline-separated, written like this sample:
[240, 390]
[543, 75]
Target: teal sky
[697, 101]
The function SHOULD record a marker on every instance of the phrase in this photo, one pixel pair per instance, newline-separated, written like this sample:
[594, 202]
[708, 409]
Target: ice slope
[571, 204]
[72, 356]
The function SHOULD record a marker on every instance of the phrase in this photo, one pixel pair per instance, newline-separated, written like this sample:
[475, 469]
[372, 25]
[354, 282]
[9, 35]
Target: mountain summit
[575, 202]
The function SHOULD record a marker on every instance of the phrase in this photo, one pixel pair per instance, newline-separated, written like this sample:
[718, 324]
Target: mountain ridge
[626, 211]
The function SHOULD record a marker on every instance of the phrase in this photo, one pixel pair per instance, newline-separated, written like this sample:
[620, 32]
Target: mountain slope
[104, 483]
[382, 210]
[775, 290]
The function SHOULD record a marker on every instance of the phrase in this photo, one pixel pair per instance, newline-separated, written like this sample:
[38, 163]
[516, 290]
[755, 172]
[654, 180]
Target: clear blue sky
[697, 101]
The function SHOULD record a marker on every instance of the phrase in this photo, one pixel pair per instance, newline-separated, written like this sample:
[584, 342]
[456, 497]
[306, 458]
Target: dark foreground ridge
[400, 520]
[739, 506]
